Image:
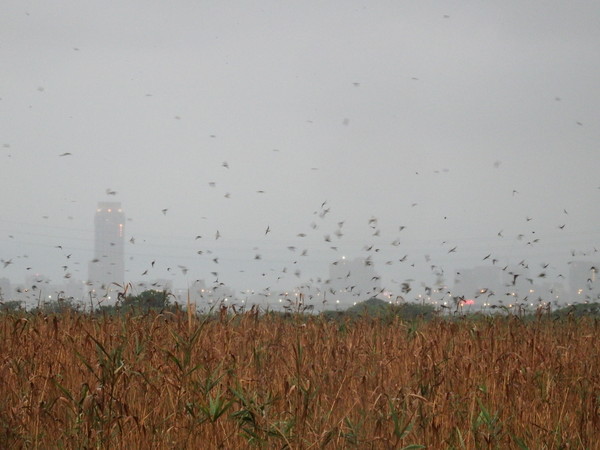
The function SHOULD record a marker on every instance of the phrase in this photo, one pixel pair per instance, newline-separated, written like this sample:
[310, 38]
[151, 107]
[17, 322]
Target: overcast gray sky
[455, 119]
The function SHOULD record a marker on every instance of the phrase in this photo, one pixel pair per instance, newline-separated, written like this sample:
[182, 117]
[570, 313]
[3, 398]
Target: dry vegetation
[163, 381]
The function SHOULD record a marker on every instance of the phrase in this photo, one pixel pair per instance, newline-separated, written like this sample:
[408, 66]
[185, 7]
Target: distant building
[583, 281]
[351, 281]
[479, 281]
[38, 282]
[108, 265]
[554, 292]
[72, 289]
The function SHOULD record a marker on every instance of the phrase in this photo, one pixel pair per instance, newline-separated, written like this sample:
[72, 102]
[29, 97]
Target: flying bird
[66, 154]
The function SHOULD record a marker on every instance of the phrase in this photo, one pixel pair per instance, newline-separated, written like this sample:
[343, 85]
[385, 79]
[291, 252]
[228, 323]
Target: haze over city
[256, 144]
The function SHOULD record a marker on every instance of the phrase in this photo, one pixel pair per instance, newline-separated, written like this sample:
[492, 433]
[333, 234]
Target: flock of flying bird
[370, 253]
[346, 285]
[315, 286]
[318, 287]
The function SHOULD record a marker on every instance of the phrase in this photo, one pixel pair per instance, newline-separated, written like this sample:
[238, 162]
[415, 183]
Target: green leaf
[520, 442]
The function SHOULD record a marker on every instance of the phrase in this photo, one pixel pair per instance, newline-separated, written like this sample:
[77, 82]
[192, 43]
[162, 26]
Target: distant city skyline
[252, 147]
[346, 280]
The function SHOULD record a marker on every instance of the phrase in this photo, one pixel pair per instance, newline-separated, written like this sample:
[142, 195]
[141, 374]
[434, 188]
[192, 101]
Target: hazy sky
[455, 119]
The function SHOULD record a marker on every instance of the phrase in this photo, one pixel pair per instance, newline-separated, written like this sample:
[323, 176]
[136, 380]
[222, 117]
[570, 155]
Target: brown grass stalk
[233, 381]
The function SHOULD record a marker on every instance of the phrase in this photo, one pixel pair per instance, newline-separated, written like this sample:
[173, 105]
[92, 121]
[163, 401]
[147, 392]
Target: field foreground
[173, 381]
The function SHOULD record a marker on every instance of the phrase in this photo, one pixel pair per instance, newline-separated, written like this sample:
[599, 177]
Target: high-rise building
[108, 265]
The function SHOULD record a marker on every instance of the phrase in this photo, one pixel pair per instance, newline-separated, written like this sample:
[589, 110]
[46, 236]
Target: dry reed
[234, 381]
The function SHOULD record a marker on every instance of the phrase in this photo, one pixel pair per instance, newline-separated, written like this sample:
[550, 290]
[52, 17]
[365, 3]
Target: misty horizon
[215, 268]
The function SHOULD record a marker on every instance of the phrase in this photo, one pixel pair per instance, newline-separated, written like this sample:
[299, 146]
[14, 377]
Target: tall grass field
[173, 380]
